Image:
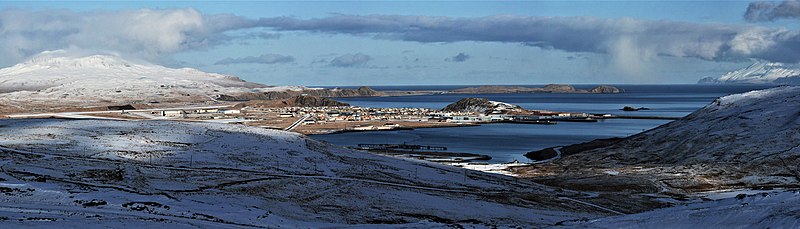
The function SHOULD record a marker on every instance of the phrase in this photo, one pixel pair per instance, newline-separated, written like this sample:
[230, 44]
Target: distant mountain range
[760, 72]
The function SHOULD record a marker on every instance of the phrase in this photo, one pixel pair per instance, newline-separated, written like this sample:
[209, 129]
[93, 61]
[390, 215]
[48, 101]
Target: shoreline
[394, 129]
[524, 122]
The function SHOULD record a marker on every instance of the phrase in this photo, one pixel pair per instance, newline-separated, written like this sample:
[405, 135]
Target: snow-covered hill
[760, 72]
[85, 173]
[747, 140]
[66, 78]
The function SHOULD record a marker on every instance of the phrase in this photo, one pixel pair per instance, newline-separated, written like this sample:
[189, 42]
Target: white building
[174, 113]
[231, 112]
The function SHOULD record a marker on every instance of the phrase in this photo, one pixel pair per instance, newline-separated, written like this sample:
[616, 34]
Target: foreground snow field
[58, 172]
[105, 173]
[776, 209]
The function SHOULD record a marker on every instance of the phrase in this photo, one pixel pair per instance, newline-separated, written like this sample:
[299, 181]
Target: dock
[400, 147]
[642, 117]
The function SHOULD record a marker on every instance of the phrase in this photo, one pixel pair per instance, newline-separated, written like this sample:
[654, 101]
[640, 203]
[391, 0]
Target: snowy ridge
[758, 72]
[57, 75]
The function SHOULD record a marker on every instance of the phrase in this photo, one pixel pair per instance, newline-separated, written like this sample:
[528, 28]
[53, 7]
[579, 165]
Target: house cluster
[495, 116]
[211, 113]
[342, 114]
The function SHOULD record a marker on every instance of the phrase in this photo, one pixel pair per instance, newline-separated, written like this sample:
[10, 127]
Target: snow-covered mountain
[60, 76]
[760, 72]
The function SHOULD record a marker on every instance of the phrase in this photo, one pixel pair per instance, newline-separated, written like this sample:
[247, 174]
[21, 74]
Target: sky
[325, 43]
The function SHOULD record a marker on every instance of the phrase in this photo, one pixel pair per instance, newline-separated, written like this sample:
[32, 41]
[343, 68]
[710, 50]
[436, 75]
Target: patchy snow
[748, 98]
[499, 168]
[184, 174]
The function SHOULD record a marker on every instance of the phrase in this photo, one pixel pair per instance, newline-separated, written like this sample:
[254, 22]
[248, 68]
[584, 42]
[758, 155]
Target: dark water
[506, 142]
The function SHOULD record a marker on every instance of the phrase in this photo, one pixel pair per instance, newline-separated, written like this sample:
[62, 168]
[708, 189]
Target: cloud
[263, 59]
[461, 57]
[625, 38]
[350, 60]
[145, 33]
[771, 11]
[155, 34]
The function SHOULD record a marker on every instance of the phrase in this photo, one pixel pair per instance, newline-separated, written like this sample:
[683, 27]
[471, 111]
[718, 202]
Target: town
[334, 119]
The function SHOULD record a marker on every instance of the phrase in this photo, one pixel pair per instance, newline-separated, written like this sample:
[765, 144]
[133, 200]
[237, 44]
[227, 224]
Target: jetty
[422, 152]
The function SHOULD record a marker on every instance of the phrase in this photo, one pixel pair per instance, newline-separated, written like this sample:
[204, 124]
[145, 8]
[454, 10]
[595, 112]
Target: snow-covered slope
[756, 73]
[60, 76]
[738, 141]
[79, 173]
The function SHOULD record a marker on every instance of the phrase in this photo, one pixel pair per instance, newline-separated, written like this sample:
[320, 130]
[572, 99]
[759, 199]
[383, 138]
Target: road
[298, 122]
[87, 114]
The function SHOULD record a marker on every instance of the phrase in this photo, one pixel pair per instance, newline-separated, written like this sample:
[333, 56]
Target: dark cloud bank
[461, 57]
[771, 11]
[350, 60]
[263, 59]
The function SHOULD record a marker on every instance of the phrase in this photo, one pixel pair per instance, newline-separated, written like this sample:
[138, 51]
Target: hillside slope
[158, 173]
[746, 140]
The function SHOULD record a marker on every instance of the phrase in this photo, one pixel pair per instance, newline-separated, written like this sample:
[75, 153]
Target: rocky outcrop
[603, 89]
[559, 88]
[296, 101]
[630, 108]
[314, 101]
[479, 105]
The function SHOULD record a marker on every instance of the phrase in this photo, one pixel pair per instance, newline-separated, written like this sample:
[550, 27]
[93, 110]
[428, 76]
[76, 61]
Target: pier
[400, 147]
[642, 117]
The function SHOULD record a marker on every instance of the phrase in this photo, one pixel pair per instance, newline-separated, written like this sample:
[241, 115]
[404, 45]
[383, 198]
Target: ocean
[508, 142]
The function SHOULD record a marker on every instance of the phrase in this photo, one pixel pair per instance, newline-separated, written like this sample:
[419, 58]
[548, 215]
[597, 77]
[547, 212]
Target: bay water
[508, 142]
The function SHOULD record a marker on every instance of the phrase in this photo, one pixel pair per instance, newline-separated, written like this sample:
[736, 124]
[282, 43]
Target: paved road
[298, 122]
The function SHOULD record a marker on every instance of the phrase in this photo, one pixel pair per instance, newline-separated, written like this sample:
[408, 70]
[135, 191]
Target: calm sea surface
[507, 142]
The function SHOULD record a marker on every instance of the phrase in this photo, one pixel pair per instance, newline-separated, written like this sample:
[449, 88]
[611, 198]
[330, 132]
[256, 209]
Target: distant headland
[497, 89]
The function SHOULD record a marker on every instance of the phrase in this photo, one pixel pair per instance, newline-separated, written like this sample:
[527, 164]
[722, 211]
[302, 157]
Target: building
[174, 113]
[470, 118]
[231, 111]
[364, 127]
